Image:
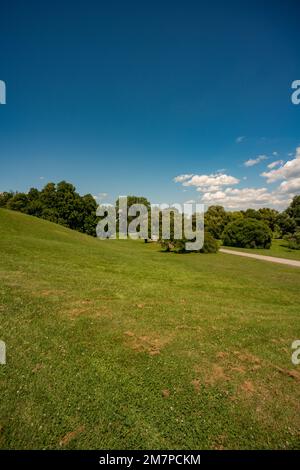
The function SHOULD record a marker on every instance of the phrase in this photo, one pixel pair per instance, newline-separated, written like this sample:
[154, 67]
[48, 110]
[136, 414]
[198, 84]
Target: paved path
[290, 262]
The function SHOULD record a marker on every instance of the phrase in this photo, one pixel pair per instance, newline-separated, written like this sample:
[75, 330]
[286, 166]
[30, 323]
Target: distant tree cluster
[254, 228]
[59, 203]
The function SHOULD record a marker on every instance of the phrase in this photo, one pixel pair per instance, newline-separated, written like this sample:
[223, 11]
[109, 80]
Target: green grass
[113, 344]
[278, 249]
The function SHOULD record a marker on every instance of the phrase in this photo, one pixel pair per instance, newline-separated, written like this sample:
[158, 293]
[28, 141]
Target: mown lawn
[278, 249]
[113, 344]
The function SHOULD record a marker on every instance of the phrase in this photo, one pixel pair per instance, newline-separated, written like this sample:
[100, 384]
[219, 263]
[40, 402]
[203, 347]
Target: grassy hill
[113, 344]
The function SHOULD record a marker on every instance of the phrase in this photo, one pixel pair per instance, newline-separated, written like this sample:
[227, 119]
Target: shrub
[210, 245]
[293, 240]
[247, 233]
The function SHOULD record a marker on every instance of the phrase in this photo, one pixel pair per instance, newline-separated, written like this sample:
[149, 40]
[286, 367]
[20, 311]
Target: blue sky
[121, 97]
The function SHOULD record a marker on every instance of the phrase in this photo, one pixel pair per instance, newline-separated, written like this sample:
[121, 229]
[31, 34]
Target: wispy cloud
[276, 163]
[99, 197]
[181, 178]
[240, 139]
[255, 161]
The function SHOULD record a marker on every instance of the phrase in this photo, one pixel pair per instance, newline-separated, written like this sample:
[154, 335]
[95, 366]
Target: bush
[210, 245]
[247, 233]
[293, 240]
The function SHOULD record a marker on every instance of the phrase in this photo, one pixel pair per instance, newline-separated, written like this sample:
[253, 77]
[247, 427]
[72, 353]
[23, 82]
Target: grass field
[113, 344]
[278, 249]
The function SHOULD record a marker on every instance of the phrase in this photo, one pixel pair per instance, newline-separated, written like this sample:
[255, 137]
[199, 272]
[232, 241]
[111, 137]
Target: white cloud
[100, 196]
[203, 183]
[290, 187]
[240, 139]
[181, 178]
[275, 154]
[255, 161]
[291, 169]
[218, 188]
[274, 164]
[42, 177]
[235, 199]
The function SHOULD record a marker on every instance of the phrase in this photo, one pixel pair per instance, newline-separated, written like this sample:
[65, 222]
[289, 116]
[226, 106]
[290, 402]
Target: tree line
[60, 203]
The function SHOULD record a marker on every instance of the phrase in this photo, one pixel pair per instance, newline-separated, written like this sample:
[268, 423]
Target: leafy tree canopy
[247, 233]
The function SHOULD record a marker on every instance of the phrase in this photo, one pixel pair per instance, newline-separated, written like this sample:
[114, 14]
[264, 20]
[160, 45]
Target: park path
[272, 259]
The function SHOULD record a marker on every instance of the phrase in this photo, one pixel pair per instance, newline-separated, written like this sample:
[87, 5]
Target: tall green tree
[269, 216]
[293, 210]
[286, 224]
[215, 220]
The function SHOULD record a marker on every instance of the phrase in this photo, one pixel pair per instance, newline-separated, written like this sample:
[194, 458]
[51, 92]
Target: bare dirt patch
[221, 355]
[129, 333]
[149, 344]
[216, 375]
[248, 387]
[247, 357]
[294, 374]
[196, 384]
[220, 442]
[236, 368]
[239, 369]
[37, 368]
[70, 435]
[86, 308]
